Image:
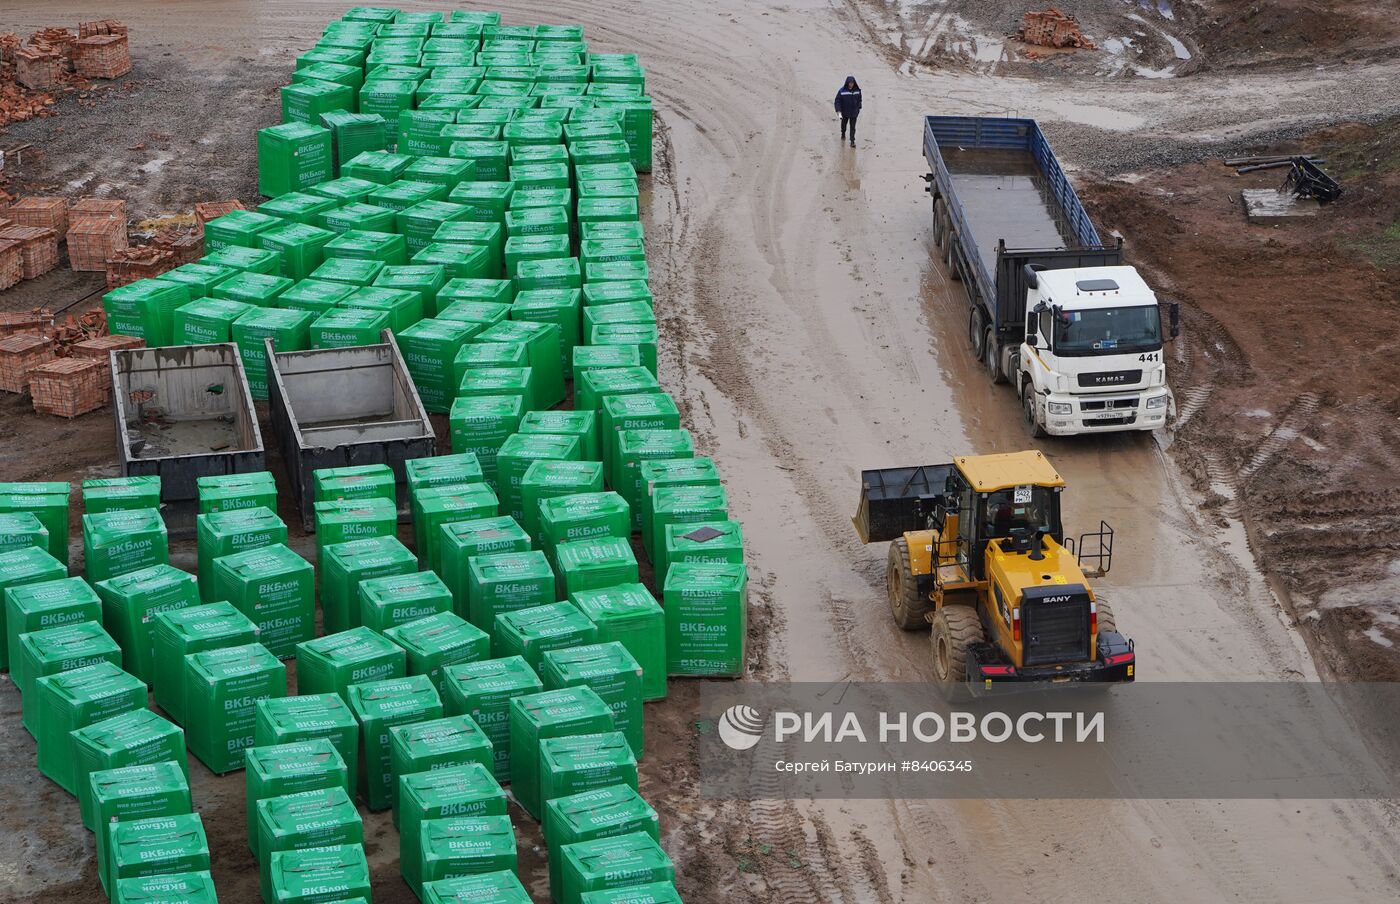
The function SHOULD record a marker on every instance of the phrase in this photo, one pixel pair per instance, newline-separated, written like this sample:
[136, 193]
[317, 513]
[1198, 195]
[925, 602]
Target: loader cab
[1014, 498]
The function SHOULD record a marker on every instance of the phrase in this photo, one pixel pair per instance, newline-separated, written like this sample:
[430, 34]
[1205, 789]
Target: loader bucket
[894, 501]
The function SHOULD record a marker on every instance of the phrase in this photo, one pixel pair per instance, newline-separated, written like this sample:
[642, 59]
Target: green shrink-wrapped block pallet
[237, 229]
[303, 207]
[256, 290]
[481, 424]
[462, 541]
[612, 672]
[130, 603]
[345, 565]
[679, 505]
[186, 888]
[289, 331]
[530, 633]
[441, 470]
[46, 501]
[437, 744]
[550, 714]
[351, 271]
[500, 887]
[714, 542]
[226, 532]
[633, 411]
[673, 472]
[354, 482]
[648, 893]
[178, 633]
[316, 296]
[244, 260]
[575, 764]
[609, 863]
[583, 516]
[310, 717]
[580, 424]
[706, 619]
[357, 216]
[302, 248]
[517, 382]
[40, 605]
[631, 616]
[520, 451]
[346, 327]
[594, 564]
[484, 691]
[225, 492]
[438, 641]
[434, 507]
[399, 599]
[21, 529]
[126, 794]
[115, 543]
[293, 156]
[222, 688]
[546, 479]
[644, 335]
[67, 701]
[330, 664]
[546, 359]
[429, 348]
[466, 845]
[315, 820]
[173, 844]
[487, 300]
[637, 446]
[606, 293]
[304, 102]
[425, 281]
[468, 790]
[51, 651]
[604, 812]
[283, 769]
[274, 587]
[205, 321]
[199, 279]
[378, 706]
[596, 384]
[404, 308]
[353, 134]
[506, 582]
[136, 738]
[112, 493]
[343, 520]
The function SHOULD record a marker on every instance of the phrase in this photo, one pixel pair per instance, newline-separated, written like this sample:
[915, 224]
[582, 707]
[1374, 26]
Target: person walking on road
[848, 105]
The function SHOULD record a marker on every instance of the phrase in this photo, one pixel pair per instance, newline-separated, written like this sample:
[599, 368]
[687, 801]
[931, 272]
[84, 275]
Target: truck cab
[1092, 359]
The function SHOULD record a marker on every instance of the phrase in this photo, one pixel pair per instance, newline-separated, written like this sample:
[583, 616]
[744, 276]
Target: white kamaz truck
[1051, 308]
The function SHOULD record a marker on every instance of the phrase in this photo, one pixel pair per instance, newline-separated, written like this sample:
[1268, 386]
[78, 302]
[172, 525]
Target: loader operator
[1006, 514]
[848, 105]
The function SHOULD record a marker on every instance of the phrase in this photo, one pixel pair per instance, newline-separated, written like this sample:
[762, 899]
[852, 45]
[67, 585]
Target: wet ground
[809, 334]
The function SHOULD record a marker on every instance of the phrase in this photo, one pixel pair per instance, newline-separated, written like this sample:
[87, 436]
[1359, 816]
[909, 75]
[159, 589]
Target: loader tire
[1105, 611]
[955, 628]
[906, 605]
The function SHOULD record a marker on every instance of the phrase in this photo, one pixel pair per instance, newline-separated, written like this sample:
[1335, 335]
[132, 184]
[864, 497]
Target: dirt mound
[1232, 33]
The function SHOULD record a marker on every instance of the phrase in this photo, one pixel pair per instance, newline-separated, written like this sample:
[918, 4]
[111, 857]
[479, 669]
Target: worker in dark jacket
[848, 105]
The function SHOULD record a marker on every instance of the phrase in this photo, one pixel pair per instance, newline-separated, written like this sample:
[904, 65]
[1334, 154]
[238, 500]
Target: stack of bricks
[38, 248]
[19, 356]
[40, 213]
[97, 233]
[188, 248]
[68, 387]
[11, 263]
[35, 321]
[59, 40]
[9, 43]
[142, 262]
[205, 211]
[39, 70]
[102, 56]
[101, 27]
[98, 348]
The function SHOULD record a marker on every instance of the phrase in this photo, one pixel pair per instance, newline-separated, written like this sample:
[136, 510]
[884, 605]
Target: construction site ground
[810, 333]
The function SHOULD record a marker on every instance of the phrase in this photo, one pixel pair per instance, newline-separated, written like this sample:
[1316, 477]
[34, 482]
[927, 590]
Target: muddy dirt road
[810, 334]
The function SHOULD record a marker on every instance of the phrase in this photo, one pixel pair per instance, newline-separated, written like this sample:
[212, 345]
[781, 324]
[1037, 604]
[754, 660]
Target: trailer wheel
[907, 607]
[992, 357]
[948, 248]
[1105, 611]
[955, 628]
[939, 231]
[975, 336]
[1028, 408]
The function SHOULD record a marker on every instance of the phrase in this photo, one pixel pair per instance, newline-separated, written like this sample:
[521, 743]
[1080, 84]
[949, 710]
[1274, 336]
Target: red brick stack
[99, 347]
[68, 387]
[38, 250]
[98, 233]
[205, 211]
[142, 262]
[41, 213]
[39, 70]
[35, 321]
[102, 56]
[101, 27]
[19, 356]
[11, 264]
[59, 40]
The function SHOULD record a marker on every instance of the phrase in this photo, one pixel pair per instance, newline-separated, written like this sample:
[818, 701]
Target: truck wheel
[1105, 611]
[955, 628]
[948, 248]
[992, 357]
[975, 336]
[939, 231]
[1028, 407]
[907, 607]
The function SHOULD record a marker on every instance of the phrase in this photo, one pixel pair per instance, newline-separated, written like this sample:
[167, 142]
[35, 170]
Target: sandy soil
[809, 334]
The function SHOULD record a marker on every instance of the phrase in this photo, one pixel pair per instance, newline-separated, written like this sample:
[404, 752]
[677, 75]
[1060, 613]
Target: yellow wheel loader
[977, 550]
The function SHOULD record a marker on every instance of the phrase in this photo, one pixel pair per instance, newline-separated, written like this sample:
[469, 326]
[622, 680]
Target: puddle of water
[1375, 636]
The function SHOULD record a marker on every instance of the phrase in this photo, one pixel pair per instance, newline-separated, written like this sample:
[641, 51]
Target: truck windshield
[1108, 331]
